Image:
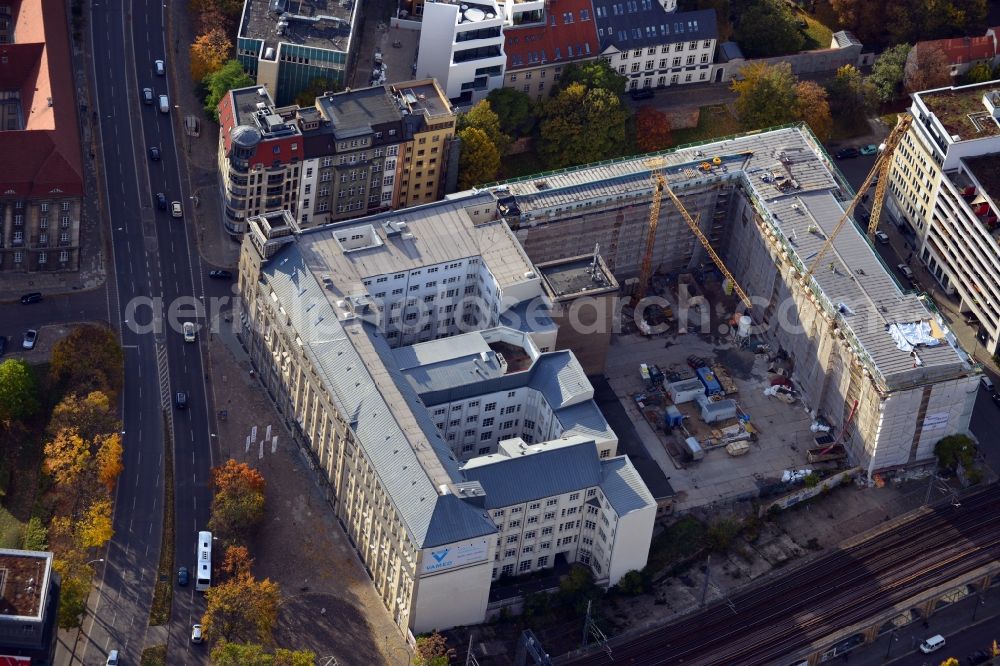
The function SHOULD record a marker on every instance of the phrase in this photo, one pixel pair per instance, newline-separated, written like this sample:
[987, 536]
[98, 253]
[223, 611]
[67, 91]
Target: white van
[164, 104]
[931, 644]
[986, 383]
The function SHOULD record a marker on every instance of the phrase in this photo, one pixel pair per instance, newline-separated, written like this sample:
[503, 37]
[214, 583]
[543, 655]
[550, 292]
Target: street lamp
[99, 559]
[892, 639]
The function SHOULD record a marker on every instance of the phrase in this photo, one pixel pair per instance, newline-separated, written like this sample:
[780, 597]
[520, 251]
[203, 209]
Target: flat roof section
[577, 276]
[24, 580]
[424, 97]
[961, 111]
[986, 169]
[321, 24]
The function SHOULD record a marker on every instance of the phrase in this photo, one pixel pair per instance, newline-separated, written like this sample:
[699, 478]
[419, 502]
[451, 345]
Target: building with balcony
[539, 45]
[653, 45]
[41, 175]
[462, 47]
[287, 44]
[459, 449]
[944, 187]
[29, 601]
[352, 154]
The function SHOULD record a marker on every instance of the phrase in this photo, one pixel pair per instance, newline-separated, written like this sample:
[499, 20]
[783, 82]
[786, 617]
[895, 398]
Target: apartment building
[286, 45]
[29, 600]
[944, 187]
[654, 46]
[41, 175]
[352, 154]
[373, 337]
[539, 44]
[963, 53]
[461, 46]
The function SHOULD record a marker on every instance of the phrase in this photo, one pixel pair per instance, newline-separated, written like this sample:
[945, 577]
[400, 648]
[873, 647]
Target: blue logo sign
[439, 555]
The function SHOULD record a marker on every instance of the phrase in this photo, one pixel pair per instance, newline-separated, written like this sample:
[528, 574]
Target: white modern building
[461, 45]
[944, 187]
[402, 351]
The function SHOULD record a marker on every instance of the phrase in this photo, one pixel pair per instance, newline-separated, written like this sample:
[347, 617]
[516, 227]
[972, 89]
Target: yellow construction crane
[646, 273]
[881, 169]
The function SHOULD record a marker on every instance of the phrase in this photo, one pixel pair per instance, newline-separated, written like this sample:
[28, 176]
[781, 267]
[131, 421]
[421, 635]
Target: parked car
[220, 275]
[641, 93]
[161, 200]
[905, 270]
[189, 334]
[987, 383]
[112, 658]
[183, 576]
[977, 657]
[3, 344]
[154, 154]
[159, 67]
[882, 237]
[181, 400]
[176, 210]
[870, 149]
[33, 297]
[933, 643]
[147, 95]
[996, 399]
[30, 338]
[846, 153]
[196, 633]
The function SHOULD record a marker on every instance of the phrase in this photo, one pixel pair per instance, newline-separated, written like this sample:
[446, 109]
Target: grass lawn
[818, 36]
[713, 121]
[522, 164]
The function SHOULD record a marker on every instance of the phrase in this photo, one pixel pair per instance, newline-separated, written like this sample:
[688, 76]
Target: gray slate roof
[634, 24]
[623, 487]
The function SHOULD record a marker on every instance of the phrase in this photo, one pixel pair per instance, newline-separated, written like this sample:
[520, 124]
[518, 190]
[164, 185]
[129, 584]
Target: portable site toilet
[720, 410]
[707, 377]
[672, 417]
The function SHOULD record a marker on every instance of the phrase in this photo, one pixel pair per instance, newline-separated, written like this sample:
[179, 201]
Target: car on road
[641, 93]
[882, 237]
[147, 95]
[189, 334]
[846, 153]
[977, 657]
[905, 270]
[161, 200]
[987, 383]
[863, 216]
[933, 643]
[220, 275]
[870, 149]
[196, 633]
[154, 154]
[159, 67]
[30, 338]
[183, 577]
[3, 344]
[33, 297]
[112, 658]
[176, 210]
[164, 104]
[181, 400]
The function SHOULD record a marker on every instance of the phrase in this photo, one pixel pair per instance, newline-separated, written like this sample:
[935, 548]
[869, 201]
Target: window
[533, 506]
[512, 538]
[543, 561]
[45, 207]
[635, 67]
[514, 523]
[490, 406]
[63, 256]
[677, 62]
[574, 497]
[546, 531]
[487, 422]
[486, 436]
[508, 570]
[546, 545]
[590, 525]
[532, 520]
[65, 205]
[524, 566]
[507, 425]
[552, 502]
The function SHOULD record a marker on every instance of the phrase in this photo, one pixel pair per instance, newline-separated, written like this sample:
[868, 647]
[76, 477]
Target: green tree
[768, 28]
[888, 71]
[632, 583]
[72, 601]
[316, 88]
[577, 588]
[88, 359]
[252, 654]
[483, 118]
[229, 77]
[850, 96]
[433, 650]
[582, 125]
[515, 110]
[953, 450]
[766, 95]
[18, 391]
[592, 74]
[978, 73]
[35, 535]
[812, 107]
[478, 159]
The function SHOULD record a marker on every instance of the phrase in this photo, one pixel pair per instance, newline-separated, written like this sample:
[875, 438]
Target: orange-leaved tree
[208, 53]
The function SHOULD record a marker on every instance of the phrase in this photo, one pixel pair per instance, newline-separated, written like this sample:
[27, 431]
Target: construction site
[749, 294]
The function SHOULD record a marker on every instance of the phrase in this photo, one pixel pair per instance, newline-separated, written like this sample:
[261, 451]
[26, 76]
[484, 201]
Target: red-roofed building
[41, 177]
[964, 52]
[537, 52]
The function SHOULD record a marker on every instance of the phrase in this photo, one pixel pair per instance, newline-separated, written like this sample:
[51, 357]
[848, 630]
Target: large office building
[352, 154]
[944, 187]
[29, 602]
[41, 175]
[288, 44]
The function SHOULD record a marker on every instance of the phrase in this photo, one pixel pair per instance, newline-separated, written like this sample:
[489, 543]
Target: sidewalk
[198, 155]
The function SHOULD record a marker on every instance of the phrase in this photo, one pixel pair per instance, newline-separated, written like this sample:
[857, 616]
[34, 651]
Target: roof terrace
[24, 581]
[962, 112]
[321, 24]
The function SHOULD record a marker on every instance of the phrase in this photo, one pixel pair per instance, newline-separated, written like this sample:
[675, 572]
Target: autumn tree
[211, 17]
[978, 73]
[208, 53]
[485, 119]
[67, 456]
[90, 415]
[478, 159]
[242, 610]
[250, 654]
[515, 110]
[813, 108]
[768, 28]
[592, 74]
[237, 562]
[652, 129]
[766, 95]
[109, 459]
[581, 125]
[317, 88]
[238, 505]
[95, 528]
[219, 82]
[18, 391]
[230, 8]
[887, 73]
[88, 359]
[898, 21]
[927, 68]
[850, 96]
[433, 650]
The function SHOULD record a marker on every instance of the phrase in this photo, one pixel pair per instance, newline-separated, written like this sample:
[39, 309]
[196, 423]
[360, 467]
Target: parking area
[740, 454]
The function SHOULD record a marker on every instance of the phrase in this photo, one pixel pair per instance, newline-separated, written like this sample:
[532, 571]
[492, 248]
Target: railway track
[847, 586]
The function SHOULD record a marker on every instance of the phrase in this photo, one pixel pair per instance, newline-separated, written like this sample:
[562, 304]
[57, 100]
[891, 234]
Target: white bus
[203, 577]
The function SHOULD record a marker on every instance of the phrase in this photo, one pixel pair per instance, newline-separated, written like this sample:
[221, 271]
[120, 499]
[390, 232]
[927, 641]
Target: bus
[203, 578]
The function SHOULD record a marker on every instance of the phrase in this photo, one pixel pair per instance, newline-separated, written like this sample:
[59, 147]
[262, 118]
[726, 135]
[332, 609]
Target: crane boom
[646, 273]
